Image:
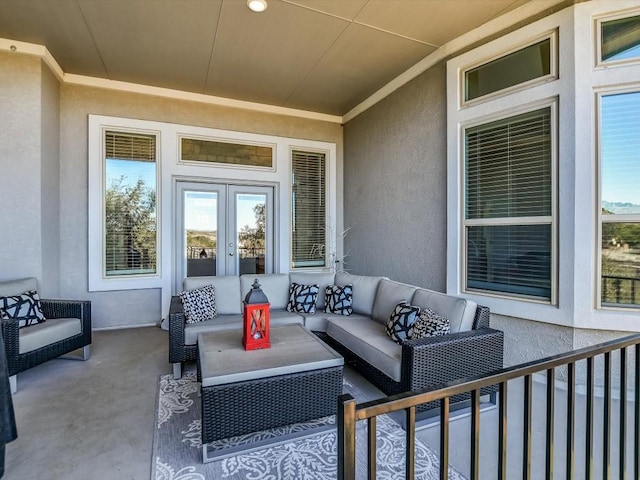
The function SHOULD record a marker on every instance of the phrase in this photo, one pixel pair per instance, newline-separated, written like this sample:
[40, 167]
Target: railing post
[346, 424]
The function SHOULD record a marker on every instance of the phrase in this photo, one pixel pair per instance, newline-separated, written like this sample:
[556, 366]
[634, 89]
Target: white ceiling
[323, 56]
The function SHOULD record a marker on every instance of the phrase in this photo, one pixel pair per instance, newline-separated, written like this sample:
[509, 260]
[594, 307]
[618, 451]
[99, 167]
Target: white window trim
[98, 281]
[553, 73]
[598, 62]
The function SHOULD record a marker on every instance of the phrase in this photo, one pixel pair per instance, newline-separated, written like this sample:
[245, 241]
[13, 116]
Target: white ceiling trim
[496, 25]
[13, 46]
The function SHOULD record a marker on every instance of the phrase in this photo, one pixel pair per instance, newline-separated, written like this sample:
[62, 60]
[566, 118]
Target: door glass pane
[201, 231]
[251, 232]
[621, 263]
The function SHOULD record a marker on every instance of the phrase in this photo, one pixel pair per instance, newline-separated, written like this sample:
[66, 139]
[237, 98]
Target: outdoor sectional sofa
[471, 349]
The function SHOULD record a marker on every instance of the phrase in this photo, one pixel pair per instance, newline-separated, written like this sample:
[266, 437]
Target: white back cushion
[227, 291]
[459, 311]
[16, 287]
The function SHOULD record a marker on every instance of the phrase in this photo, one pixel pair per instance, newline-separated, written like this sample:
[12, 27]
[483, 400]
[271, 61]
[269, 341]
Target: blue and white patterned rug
[177, 449]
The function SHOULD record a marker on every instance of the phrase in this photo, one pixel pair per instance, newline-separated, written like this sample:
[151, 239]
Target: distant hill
[620, 207]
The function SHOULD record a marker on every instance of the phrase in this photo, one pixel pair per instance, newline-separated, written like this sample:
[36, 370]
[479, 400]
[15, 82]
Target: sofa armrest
[481, 318]
[11, 337]
[176, 330]
[55, 308]
[437, 360]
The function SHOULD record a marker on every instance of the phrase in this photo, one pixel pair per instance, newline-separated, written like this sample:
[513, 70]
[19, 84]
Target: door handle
[231, 254]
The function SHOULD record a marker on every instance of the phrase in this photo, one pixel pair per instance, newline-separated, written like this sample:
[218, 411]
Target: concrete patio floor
[94, 420]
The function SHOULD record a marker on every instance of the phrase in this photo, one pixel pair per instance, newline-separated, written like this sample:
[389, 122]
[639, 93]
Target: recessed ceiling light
[257, 5]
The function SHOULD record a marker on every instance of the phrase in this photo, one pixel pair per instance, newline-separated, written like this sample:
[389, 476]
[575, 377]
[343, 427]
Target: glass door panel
[201, 232]
[250, 232]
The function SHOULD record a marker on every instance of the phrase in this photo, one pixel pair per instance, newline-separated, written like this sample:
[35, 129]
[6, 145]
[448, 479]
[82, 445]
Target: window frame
[329, 240]
[537, 220]
[620, 218]
[552, 35]
[98, 280]
[599, 63]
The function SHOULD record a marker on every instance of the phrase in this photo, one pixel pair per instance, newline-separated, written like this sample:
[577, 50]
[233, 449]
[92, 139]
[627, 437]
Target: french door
[223, 229]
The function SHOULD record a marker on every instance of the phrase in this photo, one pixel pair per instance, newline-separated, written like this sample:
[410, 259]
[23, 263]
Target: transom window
[620, 199]
[509, 198]
[620, 39]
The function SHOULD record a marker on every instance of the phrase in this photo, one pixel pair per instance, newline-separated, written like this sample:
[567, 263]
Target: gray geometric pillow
[430, 324]
[302, 298]
[25, 306]
[338, 300]
[199, 304]
[400, 324]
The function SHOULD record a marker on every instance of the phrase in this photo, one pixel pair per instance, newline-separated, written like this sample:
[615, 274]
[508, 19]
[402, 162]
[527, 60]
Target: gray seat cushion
[47, 333]
[460, 311]
[227, 292]
[364, 290]
[230, 322]
[389, 294]
[317, 322]
[367, 339]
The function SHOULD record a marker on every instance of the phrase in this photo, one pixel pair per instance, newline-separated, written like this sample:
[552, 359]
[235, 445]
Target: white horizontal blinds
[620, 198]
[130, 198]
[508, 167]
[308, 183]
[508, 214]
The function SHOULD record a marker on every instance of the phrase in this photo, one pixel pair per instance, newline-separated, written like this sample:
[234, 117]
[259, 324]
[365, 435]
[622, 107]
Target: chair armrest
[436, 360]
[11, 337]
[176, 330]
[56, 308]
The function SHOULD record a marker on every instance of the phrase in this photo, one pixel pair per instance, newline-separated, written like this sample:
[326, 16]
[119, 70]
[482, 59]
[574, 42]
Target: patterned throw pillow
[430, 324]
[25, 306]
[199, 304]
[338, 300]
[302, 298]
[400, 324]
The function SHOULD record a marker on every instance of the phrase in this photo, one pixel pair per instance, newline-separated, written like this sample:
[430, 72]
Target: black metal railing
[349, 413]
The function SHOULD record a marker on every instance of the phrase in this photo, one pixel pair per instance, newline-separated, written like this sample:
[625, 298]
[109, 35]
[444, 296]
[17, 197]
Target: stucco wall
[133, 307]
[20, 166]
[395, 188]
[50, 189]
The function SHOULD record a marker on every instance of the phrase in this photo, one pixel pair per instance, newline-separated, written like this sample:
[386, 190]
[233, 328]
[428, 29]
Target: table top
[294, 349]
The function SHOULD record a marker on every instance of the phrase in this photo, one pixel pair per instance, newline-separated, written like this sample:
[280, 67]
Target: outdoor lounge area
[438, 199]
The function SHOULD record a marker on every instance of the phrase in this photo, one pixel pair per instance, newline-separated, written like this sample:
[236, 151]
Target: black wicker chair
[52, 309]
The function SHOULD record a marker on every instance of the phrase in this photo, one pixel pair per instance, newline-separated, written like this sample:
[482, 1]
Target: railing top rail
[409, 399]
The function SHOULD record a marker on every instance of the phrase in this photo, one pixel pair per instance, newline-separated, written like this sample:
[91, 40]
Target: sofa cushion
[230, 322]
[44, 334]
[400, 324]
[459, 311]
[16, 287]
[364, 290]
[430, 324]
[26, 307]
[369, 341]
[227, 289]
[274, 285]
[338, 299]
[322, 279]
[389, 294]
[317, 322]
[302, 298]
[200, 304]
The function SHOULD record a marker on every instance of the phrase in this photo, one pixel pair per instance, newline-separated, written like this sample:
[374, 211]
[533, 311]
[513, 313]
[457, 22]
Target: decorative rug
[177, 449]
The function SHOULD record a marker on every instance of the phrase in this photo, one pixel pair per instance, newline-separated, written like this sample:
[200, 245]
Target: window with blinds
[308, 206]
[509, 206]
[130, 198]
[620, 199]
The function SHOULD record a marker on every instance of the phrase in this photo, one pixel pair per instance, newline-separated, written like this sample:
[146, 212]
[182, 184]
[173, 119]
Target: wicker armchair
[65, 338]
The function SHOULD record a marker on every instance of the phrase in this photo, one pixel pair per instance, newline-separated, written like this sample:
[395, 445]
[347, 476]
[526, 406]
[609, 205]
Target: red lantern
[256, 319]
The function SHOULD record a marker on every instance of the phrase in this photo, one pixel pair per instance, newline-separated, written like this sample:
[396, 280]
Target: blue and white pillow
[302, 298]
[400, 324]
[26, 307]
[338, 299]
[199, 304]
[430, 324]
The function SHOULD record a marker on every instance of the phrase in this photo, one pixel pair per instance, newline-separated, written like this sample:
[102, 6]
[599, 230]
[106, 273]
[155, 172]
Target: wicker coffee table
[296, 380]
